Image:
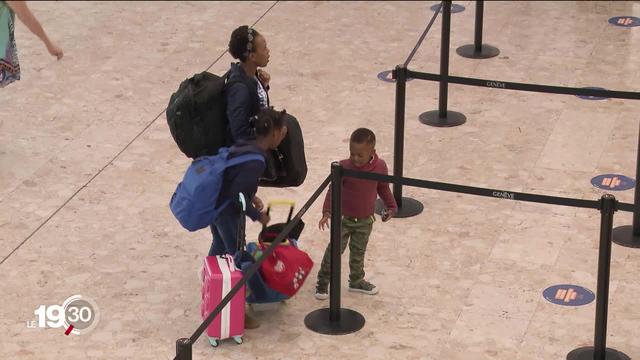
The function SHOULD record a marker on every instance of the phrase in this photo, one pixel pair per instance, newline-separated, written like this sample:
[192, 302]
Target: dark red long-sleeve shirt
[359, 195]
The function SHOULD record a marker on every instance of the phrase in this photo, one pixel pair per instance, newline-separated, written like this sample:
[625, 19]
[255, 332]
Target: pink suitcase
[219, 276]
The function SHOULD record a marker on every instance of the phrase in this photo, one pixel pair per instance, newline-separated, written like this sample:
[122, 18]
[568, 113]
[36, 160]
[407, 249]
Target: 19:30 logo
[77, 315]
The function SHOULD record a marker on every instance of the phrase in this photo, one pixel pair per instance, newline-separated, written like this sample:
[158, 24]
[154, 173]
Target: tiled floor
[88, 167]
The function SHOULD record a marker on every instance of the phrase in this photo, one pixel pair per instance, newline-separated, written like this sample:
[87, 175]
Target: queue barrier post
[629, 235]
[599, 350]
[478, 50]
[443, 117]
[335, 320]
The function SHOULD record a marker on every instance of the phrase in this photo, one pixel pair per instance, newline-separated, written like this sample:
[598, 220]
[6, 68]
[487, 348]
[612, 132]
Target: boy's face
[361, 153]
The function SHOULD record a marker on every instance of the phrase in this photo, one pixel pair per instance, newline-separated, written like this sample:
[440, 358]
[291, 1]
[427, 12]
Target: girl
[243, 178]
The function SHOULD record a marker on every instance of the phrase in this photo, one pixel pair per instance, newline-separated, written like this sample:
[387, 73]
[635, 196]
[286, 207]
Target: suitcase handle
[243, 202]
[291, 204]
[273, 203]
[241, 240]
[228, 259]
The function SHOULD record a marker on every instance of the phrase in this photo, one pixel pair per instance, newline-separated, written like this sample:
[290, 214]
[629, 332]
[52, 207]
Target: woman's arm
[238, 111]
[26, 16]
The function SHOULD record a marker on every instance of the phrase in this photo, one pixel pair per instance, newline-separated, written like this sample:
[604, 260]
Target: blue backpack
[194, 201]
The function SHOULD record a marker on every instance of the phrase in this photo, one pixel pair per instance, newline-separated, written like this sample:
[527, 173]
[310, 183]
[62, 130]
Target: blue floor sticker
[386, 76]
[613, 182]
[568, 295]
[592, 97]
[455, 8]
[625, 21]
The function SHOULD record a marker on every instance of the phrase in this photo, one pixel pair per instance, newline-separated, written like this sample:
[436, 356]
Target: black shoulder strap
[227, 77]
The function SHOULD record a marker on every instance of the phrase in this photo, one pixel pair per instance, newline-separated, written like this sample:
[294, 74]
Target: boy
[358, 203]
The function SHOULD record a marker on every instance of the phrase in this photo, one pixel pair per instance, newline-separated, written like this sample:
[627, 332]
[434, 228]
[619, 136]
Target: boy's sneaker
[364, 287]
[322, 292]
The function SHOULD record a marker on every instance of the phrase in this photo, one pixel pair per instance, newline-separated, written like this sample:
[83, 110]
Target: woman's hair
[268, 120]
[241, 42]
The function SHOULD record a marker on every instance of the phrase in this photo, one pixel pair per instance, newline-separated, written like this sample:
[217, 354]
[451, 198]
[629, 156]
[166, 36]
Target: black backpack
[197, 117]
[286, 166]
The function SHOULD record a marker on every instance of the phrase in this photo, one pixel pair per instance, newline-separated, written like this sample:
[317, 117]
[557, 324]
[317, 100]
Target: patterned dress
[9, 66]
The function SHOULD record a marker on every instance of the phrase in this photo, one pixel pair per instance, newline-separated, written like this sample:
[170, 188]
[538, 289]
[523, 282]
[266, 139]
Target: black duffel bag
[286, 166]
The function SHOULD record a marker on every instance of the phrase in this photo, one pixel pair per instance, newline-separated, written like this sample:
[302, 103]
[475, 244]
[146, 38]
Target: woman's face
[260, 53]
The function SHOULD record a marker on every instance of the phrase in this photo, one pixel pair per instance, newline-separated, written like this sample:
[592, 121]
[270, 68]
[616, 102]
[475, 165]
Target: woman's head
[270, 127]
[247, 45]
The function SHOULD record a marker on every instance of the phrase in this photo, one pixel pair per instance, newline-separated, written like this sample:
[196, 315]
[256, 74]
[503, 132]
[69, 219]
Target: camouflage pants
[355, 233]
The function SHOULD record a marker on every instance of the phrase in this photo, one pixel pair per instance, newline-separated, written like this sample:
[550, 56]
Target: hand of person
[54, 50]
[264, 219]
[324, 221]
[388, 214]
[264, 77]
[257, 203]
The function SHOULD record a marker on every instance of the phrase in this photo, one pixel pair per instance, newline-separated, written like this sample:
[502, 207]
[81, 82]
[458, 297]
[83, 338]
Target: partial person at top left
[9, 65]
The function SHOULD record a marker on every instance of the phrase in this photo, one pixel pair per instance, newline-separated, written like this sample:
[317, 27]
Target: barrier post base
[587, 353]
[486, 51]
[433, 118]
[349, 322]
[183, 349]
[623, 236]
[410, 207]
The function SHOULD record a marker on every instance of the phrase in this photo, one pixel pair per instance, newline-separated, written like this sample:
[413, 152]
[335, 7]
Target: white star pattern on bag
[298, 277]
[279, 266]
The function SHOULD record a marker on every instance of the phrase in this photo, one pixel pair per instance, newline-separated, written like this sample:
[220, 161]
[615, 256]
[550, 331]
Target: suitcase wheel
[238, 339]
[213, 342]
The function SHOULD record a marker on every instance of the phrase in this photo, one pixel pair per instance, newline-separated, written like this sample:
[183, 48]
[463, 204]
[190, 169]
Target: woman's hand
[264, 77]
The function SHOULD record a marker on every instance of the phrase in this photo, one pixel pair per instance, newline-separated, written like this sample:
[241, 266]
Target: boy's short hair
[363, 136]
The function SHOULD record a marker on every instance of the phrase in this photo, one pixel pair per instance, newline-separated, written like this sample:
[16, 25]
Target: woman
[247, 93]
[9, 65]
